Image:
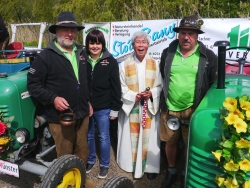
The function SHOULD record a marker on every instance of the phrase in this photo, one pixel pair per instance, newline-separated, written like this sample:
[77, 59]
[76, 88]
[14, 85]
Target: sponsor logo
[32, 71]
[238, 37]
[25, 95]
[104, 62]
[97, 27]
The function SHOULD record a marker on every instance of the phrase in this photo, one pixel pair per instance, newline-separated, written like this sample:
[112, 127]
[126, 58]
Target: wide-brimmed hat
[65, 19]
[190, 22]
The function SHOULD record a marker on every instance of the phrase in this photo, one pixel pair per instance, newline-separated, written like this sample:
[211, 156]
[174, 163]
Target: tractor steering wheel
[241, 61]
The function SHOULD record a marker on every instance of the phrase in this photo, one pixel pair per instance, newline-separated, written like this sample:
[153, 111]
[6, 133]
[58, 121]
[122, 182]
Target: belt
[184, 114]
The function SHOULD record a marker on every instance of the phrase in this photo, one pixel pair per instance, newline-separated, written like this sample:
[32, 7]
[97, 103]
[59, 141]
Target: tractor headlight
[173, 123]
[22, 135]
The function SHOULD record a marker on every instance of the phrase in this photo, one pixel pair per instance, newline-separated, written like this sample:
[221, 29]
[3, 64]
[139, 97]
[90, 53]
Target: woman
[105, 97]
[139, 120]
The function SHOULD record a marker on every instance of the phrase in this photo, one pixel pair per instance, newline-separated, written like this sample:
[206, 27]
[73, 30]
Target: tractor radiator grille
[202, 169]
[5, 110]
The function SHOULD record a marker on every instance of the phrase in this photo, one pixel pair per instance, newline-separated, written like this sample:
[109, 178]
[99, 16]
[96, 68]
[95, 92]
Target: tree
[17, 11]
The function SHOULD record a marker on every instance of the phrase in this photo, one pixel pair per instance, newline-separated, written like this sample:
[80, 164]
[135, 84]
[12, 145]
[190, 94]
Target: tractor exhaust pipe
[221, 62]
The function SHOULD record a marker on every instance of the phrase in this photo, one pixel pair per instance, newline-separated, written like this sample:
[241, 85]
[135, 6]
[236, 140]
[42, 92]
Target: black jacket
[51, 75]
[207, 72]
[104, 83]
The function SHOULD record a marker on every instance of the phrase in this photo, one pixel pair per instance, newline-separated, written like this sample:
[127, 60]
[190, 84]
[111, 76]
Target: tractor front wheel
[67, 172]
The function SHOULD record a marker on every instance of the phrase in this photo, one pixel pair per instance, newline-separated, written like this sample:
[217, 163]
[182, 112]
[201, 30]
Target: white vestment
[124, 153]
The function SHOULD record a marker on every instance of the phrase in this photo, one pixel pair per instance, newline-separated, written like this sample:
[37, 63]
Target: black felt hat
[190, 22]
[65, 19]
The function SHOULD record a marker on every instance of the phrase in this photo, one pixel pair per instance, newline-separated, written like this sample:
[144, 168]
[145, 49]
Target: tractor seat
[14, 46]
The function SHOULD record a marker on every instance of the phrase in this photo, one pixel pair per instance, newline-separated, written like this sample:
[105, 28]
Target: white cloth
[124, 153]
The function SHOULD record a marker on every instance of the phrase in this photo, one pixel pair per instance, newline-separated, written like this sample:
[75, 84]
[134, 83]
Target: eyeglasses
[191, 23]
[141, 42]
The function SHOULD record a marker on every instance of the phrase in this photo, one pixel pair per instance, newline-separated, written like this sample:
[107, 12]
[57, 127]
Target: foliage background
[32, 11]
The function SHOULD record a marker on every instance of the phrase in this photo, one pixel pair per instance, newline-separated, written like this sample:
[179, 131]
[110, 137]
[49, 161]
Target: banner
[118, 35]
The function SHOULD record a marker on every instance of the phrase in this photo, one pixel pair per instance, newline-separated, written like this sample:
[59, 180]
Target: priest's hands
[143, 95]
[146, 94]
[138, 97]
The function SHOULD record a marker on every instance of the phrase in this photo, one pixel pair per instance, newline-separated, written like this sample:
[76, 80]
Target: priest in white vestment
[139, 119]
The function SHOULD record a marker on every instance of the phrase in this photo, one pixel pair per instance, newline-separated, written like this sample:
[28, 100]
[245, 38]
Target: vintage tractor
[31, 140]
[206, 125]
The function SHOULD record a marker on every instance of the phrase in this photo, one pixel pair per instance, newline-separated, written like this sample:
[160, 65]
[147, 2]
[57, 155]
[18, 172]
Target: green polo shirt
[183, 80]
[70, 57]
[93, 62]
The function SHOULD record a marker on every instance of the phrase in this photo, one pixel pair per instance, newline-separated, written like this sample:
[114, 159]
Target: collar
[137, 60]
[92, 60]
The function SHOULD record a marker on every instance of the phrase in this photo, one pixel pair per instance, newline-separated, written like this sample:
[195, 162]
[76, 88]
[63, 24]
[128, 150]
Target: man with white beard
[58, 80]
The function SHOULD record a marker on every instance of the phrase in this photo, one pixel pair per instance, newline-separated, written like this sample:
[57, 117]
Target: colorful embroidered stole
[132, 83]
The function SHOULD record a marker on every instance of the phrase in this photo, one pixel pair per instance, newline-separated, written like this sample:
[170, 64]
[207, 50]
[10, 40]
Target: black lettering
[204, 39]
[9, 168]
[6, 167]
[237, 55]
[230, 54]
[245, 55]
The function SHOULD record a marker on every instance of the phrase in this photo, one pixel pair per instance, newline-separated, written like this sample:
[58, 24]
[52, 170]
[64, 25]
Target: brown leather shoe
[168, 180]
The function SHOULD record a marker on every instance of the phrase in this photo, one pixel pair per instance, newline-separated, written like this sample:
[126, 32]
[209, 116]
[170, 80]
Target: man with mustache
[58, 80]
[188, 69]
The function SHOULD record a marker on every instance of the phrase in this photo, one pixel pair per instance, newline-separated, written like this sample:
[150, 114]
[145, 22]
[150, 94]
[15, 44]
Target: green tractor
[30, 138]
[206, 127]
